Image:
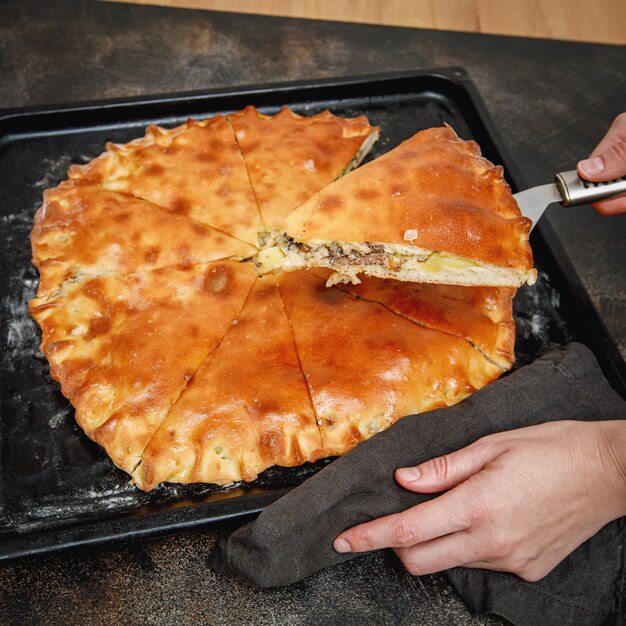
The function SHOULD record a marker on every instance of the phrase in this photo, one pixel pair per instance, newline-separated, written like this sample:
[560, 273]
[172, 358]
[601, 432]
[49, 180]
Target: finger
[611, 207]
[444, 515]
[437, 555]
[608, 165]
[616, 132]
[449, 470]
[608, 160]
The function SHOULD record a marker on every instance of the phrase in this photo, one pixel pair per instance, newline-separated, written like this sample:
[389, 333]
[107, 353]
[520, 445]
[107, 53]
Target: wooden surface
[602, 21]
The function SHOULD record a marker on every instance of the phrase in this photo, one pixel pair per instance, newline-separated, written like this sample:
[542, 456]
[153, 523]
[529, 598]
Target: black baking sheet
[59, 489]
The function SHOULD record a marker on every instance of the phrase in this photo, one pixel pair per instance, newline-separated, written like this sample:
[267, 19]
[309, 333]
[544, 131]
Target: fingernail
[341, 545]
[409, 473]
[592, 167]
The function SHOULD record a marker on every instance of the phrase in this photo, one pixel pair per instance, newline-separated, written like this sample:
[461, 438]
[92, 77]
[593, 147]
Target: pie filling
[384, 260]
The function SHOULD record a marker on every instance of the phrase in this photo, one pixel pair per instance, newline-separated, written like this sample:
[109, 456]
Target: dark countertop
[551, 102]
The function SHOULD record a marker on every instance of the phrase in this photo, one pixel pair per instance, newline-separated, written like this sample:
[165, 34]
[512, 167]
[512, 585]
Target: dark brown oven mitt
[293, 537]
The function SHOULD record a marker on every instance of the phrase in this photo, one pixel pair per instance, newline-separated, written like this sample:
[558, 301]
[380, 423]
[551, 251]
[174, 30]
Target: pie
[124, 347]
[432, 210]
[246, 408]
[395, 367]
[270, 146]
[202, 164]
[84, 231]
[481, 315]
[188, 365]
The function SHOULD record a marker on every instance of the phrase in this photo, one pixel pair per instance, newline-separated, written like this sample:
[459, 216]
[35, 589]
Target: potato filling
[389, 261]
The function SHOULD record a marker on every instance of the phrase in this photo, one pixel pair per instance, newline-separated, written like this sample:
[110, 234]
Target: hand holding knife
[603, 177]
[569, 189]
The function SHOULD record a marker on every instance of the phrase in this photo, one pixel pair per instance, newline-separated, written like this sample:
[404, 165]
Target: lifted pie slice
[247, 407]
[124, 348]
[367, 367]
[195, 169]
[482, 315]
[83, 230]
[291, 157]
[431, 210]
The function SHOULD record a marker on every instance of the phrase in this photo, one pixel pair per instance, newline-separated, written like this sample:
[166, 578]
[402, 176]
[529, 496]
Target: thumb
[448, 471]
[608, 160]
[608, 165]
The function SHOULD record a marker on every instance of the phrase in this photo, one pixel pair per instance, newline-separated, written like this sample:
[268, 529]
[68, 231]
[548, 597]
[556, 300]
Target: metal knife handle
[576, 190]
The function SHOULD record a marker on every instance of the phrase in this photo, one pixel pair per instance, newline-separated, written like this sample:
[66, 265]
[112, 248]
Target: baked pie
[188, 363]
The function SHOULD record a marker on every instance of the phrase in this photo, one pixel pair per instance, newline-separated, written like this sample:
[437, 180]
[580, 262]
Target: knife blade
[568, 189]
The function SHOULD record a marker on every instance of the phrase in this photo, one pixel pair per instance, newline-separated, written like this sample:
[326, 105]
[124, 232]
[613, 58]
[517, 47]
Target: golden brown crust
[124, 348]
[482, 315]
[434, 184]
[84, 230]
[246, 409]
[133, 307]
[366, 367]
[291, 157]
[195, 169]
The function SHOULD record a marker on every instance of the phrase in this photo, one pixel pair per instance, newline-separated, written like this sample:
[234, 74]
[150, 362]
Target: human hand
[606, 162]
[518, 501]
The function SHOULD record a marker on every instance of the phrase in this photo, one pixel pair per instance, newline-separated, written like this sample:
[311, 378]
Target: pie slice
[247, 407]
[83, 231]
[367, 367]
[291, 157]
[124, 348]
[482, 315]
[431, 210]
[195, 169]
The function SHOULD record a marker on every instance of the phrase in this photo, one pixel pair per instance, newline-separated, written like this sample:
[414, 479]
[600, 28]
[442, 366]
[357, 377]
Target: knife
[568, 189]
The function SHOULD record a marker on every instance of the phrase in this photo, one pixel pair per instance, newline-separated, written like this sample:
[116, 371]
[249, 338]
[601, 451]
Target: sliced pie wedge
[195, 169]
[482, 315]
[367, 367]
[83, 231]
[124, 348]
[247, 407]
[290, 157]
[431, 210]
